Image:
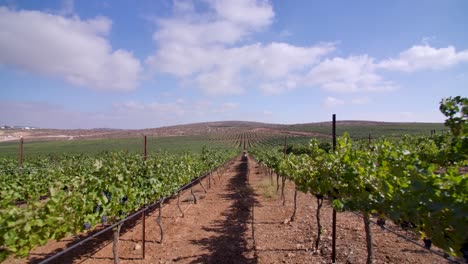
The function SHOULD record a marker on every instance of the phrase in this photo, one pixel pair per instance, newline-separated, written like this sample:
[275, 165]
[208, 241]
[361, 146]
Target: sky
[143, 64]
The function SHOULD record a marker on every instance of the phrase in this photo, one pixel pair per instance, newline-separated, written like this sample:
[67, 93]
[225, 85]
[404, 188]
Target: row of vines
[421, 182]
[53, 198]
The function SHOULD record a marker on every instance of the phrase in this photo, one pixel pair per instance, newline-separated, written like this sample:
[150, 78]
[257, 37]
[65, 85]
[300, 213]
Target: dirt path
[240, 219]
[216, 229]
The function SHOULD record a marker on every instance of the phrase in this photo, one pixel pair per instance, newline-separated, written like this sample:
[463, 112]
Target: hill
[354, 128]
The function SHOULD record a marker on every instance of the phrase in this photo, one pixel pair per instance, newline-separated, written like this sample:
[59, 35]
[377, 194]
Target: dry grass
[267, 189]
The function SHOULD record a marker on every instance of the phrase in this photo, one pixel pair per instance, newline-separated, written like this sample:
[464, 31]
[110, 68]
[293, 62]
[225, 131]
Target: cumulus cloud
[279, 86]
[206, 49]
[364, 74]
[252, 14]
[70, 48]
[213, 50]
[333, 102]
[425, 57]
[210, 50]
[220, 82]
[352, 74]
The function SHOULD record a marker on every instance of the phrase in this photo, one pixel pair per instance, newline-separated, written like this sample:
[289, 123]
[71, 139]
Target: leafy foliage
[393, 178]
[82, 192]
[413, 179]
[456, 111]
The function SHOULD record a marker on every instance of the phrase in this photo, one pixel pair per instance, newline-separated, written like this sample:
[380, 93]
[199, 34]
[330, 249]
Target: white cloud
[69, 48]
[352, 74]
[252, 14]
[203, 49]
[207, 50]
[228, 23]
[361, 73]
[276, 87]
[333, 102]
[425, 57]
[220, 82]
[278, 60]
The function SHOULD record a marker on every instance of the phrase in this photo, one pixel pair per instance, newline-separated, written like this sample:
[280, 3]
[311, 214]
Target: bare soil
[241, 219]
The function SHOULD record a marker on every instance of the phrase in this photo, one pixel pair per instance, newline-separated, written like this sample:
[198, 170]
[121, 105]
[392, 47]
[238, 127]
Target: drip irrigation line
[81, 242]
[410, 240]
[137, 213]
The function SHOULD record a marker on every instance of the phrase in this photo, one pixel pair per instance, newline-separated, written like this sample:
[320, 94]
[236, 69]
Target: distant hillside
[354, 128]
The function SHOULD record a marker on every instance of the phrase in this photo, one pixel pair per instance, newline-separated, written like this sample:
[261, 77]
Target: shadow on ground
[230, 244]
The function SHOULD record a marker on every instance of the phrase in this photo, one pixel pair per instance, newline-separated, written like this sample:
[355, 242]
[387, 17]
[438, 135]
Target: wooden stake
[115, 244]
[144, 148]
[334, 211]
[143, 233]
[20, 160]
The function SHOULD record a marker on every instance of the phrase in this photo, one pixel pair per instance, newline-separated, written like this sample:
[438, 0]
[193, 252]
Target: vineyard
[415, 184]
[420, 182]
[50, 197]
[400, 181]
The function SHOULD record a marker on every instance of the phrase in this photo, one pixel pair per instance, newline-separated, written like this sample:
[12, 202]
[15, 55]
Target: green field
[358, 129]
[176, 144]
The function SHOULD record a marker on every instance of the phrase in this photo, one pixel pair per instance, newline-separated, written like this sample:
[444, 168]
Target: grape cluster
[97, 208]
[427, 243]
[107, 194]
[123, 200]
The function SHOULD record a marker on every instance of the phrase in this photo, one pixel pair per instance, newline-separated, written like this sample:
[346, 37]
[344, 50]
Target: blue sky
[140, 64]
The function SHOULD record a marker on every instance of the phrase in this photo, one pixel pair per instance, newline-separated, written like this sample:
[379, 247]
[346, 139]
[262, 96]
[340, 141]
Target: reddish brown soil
[241, 220]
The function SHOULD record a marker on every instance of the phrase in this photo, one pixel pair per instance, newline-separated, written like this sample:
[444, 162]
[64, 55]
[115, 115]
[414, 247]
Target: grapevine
[83, 192]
